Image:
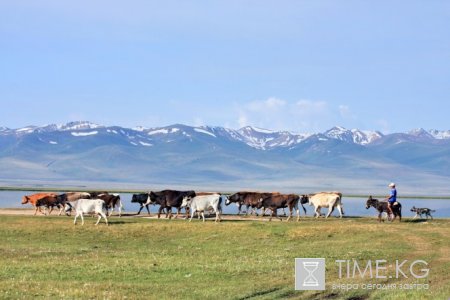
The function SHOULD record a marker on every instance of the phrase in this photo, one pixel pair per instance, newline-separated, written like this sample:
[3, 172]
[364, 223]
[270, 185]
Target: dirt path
[30, 212]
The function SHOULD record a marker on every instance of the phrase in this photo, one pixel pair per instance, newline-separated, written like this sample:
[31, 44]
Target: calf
[84, 206]
[203, 203]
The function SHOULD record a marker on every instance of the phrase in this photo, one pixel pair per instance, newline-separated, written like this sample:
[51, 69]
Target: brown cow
[249, 199]
[276, 201]
[111, 201]
[51, 201]
[32, 199]
[73, 196]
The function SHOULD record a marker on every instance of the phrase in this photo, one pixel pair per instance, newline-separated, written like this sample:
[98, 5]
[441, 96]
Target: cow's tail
[219, 207]
[340, 202]
[104, 207]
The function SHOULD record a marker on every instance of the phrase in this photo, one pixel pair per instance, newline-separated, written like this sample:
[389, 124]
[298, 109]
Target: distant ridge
[224, 158]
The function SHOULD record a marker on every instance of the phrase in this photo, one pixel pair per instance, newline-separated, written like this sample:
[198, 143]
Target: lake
[352, 206]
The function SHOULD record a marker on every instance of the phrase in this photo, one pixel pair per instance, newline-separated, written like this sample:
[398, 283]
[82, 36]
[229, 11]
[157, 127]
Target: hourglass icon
[310, 267]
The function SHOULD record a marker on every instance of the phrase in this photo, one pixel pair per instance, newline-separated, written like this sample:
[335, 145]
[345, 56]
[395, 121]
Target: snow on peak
[200, 130]
[140, 128]
[440, 134]
[84, 133]
[28, 129]
[78, 125]
[419, 132]
[158, 131]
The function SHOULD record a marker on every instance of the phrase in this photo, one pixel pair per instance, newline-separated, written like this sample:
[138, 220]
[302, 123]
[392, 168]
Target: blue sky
[302, 66]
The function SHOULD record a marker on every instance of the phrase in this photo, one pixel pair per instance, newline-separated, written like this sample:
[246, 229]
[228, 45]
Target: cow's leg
[330, 210]
[75, 220]
[379, 217]
[50, 212]
[100, 215]
[61, 210]
[203, 215]
[339, 210]
[159, 211]
[317, 211]
[120, 209]
[218, 213]
[178, 212]
[82, 219]
[290, 213]
[35, 210]
[192, 214]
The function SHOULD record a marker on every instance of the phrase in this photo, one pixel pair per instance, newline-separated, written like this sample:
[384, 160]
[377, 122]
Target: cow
[111, 200]
[32, 199]
[324, 199]
[73, 196]
[276, 201]
[143, 199]
[168, 199]
[249, 199]
[84, 206]
[52, 201]
[202, 203]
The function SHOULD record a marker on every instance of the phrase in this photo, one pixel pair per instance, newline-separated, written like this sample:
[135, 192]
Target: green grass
[49, 257]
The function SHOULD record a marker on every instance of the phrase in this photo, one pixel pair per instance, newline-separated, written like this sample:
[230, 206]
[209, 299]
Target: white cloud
[385, 126]
[271, 103]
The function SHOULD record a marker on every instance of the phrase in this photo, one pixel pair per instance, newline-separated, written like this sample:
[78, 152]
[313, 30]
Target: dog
[422, 211]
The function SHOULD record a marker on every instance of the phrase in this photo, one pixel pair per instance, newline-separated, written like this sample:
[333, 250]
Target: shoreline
[136, 191]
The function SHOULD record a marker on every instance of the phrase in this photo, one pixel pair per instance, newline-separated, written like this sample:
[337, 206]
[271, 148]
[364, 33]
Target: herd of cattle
[103, 204]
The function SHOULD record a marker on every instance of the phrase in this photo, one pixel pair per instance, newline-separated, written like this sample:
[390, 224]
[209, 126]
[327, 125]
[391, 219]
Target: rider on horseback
[392, 198]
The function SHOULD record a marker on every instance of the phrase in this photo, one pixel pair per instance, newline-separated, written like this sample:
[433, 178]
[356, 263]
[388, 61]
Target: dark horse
[382, 206]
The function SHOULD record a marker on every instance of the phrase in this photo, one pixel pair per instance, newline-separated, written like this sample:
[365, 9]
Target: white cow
[203, 203]
[84, 206]
[326, 199]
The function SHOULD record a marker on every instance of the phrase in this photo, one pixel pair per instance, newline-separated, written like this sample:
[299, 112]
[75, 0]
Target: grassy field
[49, 257]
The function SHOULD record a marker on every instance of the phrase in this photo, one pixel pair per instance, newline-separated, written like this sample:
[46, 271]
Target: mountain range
[205, 157]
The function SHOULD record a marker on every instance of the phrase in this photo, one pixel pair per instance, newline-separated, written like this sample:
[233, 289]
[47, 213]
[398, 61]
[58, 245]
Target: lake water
[352, 206]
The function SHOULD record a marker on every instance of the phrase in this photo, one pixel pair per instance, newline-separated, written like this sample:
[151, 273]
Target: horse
[382, 206]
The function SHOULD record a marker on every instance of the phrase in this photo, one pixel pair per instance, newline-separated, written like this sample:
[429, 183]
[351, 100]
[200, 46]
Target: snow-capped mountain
[356, 136]
[254, 137]
[86, 151]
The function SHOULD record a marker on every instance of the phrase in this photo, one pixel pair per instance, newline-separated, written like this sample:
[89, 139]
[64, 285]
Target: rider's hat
[391, 184]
